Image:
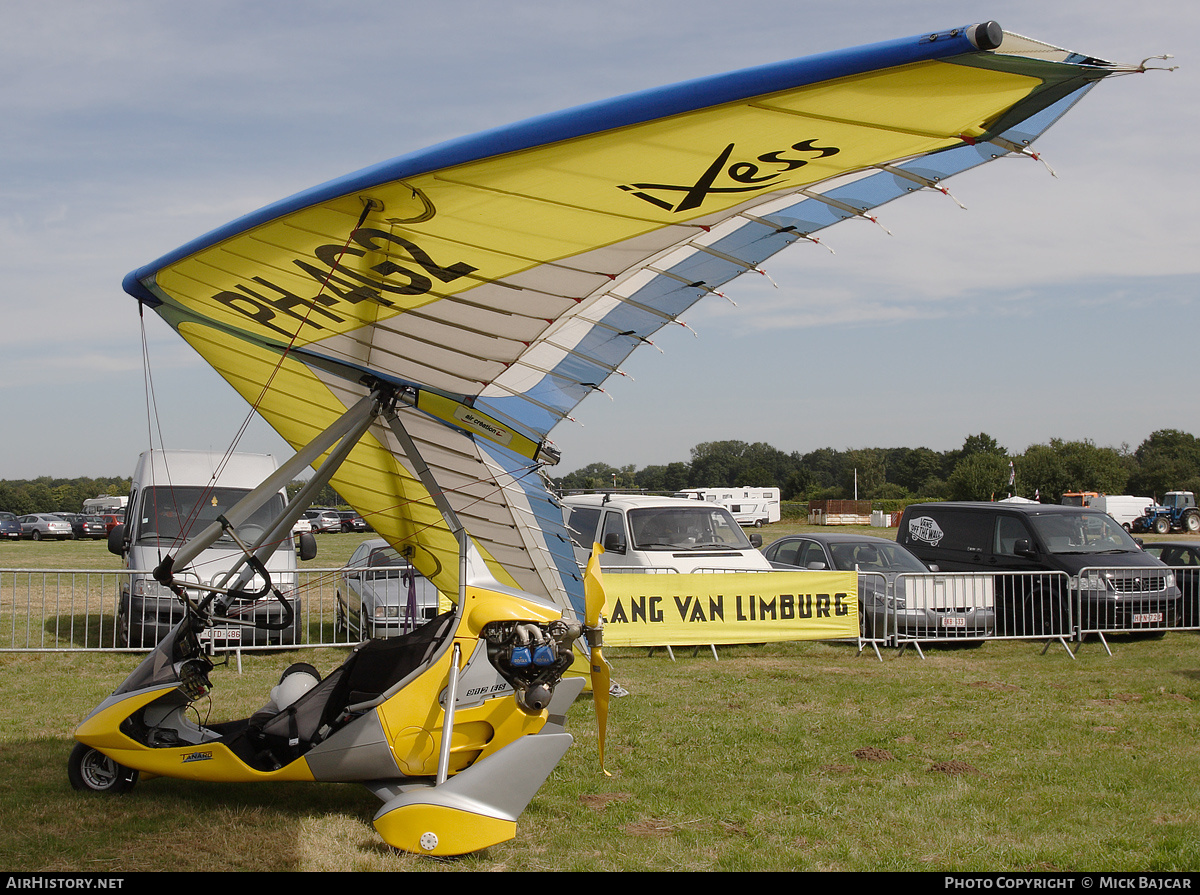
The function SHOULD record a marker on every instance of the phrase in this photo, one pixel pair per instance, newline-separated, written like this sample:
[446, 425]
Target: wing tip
[986, 35]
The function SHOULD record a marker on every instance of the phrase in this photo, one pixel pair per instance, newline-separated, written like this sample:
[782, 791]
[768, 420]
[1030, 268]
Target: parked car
[10, 526]
[85, 526]
[1184, 558]
[323, 520]
[888, 602]
[39, 526]
[300, 527]
[351, 521]
[381, 595]
[112, 520]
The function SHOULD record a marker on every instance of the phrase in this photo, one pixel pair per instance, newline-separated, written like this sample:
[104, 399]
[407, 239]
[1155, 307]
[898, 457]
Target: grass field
[803, 756]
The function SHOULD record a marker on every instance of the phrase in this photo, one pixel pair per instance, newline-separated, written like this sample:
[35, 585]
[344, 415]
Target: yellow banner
[729, 607]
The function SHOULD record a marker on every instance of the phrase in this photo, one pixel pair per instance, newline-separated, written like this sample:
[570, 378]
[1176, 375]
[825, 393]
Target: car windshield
[685, 528]
[1082, 533]
[176, 513]
[386, 560]
[866, 556]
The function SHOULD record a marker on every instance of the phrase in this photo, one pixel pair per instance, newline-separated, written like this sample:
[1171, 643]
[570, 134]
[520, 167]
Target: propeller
[593, 591]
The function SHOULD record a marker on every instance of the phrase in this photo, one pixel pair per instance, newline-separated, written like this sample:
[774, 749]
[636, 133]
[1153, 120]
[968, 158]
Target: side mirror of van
[612, 543]
[1022, 547]
[308, 545]
[116, 540]
[756, 541]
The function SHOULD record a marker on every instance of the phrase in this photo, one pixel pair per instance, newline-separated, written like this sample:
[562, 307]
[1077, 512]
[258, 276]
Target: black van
[1122, 587]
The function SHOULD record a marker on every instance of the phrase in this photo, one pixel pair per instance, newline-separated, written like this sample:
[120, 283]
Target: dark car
[1067, 559]
[10, 527]
[1184, 558]
[381, 595]
[892, 591]
[351, 521]
[86, 526]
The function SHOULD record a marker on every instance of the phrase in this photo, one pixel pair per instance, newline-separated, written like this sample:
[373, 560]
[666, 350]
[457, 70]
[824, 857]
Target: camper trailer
[749, 506]
[98, 506]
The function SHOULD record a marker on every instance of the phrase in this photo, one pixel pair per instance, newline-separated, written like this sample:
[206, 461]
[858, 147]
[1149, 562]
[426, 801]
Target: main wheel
[92, 771]
[1192, 522]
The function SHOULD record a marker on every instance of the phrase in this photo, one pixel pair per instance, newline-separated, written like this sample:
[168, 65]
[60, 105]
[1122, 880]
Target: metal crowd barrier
[1145, 601]
[971, 607]
[55, 610]
[76, 609]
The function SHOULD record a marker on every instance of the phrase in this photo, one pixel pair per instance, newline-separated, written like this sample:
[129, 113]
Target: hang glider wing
[495, 281]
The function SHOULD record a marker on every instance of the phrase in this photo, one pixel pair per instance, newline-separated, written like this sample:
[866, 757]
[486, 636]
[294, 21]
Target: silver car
[380, 594]
[884, 604]
[39, 526]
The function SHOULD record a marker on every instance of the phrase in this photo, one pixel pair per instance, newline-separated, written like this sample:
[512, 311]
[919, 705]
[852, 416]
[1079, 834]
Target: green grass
[778, 757]
[803, 756]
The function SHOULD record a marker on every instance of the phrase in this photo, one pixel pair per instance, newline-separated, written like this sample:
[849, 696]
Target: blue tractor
[1177, 512]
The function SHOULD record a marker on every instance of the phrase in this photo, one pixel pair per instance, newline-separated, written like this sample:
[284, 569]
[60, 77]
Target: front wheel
[92, 771]
[1162, 525]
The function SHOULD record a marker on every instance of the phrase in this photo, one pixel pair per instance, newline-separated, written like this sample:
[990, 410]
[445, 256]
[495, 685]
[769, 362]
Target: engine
[532, 657]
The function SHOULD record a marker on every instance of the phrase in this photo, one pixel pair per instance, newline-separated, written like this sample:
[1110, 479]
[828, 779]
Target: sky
[1057, 305]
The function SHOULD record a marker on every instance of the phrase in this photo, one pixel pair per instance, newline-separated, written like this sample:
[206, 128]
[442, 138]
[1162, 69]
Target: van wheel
[92, 771]
[123, 634]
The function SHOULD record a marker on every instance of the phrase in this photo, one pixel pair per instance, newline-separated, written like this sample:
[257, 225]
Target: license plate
[221, 634]
[954, 621]
[1147, 618]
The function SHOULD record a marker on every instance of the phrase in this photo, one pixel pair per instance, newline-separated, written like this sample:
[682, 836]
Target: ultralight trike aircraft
[415, 331]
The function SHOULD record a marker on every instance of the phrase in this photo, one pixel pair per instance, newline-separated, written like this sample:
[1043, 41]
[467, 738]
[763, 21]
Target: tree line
[982, 469]
[54, 495]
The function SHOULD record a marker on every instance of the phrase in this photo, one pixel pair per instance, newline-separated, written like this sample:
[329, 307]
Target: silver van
[175, 494]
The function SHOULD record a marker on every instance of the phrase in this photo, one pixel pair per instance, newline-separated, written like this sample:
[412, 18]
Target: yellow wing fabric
[496, 281]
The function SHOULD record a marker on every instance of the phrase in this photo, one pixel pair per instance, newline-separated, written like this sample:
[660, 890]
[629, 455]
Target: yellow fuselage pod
[412, 719]
[212, 761]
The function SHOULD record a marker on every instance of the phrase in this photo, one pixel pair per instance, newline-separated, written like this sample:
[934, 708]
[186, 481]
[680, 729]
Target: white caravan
[664, 534]
[749, 506]
[176, 494]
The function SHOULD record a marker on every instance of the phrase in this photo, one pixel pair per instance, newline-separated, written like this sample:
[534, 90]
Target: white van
[1122, 507]
[174, 495]
[665, 534]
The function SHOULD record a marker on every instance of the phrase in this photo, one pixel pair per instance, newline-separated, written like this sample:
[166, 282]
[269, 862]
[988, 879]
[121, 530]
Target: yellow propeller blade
[593, 592]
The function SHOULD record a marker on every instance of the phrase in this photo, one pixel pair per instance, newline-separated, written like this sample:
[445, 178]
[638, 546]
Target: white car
[44, 525]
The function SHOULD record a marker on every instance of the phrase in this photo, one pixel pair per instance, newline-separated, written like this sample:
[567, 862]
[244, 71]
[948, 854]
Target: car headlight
[148, 587]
